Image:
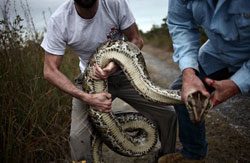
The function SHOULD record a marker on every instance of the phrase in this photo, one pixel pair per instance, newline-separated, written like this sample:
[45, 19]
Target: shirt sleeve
[185, 34]
[126, 18]
[53, 41]
[242, 78]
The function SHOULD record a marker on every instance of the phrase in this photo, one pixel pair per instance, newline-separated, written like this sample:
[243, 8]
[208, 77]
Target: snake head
[198, 106]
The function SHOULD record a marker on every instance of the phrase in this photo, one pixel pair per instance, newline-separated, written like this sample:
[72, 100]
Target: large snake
[131, 134]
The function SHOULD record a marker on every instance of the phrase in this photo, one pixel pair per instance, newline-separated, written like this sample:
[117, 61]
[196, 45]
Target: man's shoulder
[63, 10]
[113, 3]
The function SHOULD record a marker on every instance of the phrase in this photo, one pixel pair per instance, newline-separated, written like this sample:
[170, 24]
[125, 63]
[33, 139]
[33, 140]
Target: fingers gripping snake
[115, 130]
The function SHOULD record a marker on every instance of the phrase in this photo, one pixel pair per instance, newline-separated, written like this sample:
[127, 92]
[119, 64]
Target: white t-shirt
[84, 36]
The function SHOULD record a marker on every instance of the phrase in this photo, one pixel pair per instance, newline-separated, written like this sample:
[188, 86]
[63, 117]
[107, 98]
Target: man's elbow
[141, 43]
[138, 42]
[47, 73]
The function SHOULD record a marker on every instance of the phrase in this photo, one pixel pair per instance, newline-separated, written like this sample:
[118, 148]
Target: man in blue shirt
[219, 69]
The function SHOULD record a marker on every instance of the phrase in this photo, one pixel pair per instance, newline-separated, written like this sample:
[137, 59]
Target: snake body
[111, 128]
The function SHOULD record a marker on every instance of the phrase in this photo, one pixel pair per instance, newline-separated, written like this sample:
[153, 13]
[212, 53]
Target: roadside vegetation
[159, 37]
[35, 116]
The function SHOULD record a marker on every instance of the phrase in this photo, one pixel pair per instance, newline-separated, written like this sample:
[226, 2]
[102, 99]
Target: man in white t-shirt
[84, 25]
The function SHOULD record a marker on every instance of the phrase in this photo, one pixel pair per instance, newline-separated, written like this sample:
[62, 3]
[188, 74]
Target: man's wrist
[116, 67]
[85, 97]
[234, 87]
[189, 71]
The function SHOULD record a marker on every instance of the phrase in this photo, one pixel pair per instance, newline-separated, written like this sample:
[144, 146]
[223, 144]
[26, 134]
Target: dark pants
[193, 136]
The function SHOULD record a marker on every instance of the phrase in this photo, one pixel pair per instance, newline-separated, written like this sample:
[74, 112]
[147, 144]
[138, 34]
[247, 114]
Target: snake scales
[129, 134]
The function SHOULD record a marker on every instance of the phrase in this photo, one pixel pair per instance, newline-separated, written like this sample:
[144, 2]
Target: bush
[159, 36]
[34, 115]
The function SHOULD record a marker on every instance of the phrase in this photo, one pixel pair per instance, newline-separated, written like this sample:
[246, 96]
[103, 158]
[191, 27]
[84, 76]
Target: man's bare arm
[52, 73]
[133, 35]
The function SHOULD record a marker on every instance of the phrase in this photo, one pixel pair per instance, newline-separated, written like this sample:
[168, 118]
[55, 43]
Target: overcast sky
[146, 12]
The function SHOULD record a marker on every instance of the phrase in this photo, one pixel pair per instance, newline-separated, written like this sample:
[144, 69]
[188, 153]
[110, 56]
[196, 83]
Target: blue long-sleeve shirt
[227, 26]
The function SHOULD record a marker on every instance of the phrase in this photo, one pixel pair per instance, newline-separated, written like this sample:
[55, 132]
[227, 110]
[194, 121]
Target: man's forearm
[62, 82]
[133, 35]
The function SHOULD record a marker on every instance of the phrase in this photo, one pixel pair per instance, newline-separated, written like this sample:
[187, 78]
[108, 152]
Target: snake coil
[115, 130]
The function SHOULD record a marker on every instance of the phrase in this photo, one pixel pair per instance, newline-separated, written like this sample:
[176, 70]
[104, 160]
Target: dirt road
[228, 124]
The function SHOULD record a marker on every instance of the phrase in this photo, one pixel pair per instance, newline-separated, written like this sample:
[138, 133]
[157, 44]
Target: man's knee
[167, 119]
[173, 116]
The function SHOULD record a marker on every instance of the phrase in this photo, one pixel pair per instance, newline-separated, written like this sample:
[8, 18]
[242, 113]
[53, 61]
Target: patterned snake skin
[129, 134]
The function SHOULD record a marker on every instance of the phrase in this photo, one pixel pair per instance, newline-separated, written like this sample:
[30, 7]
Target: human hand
[100, 101]
[224, 89]
[191, 83]
[195, 96]
[104, 73]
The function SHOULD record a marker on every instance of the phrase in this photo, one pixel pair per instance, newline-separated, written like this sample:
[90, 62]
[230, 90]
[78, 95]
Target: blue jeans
[193, 136]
